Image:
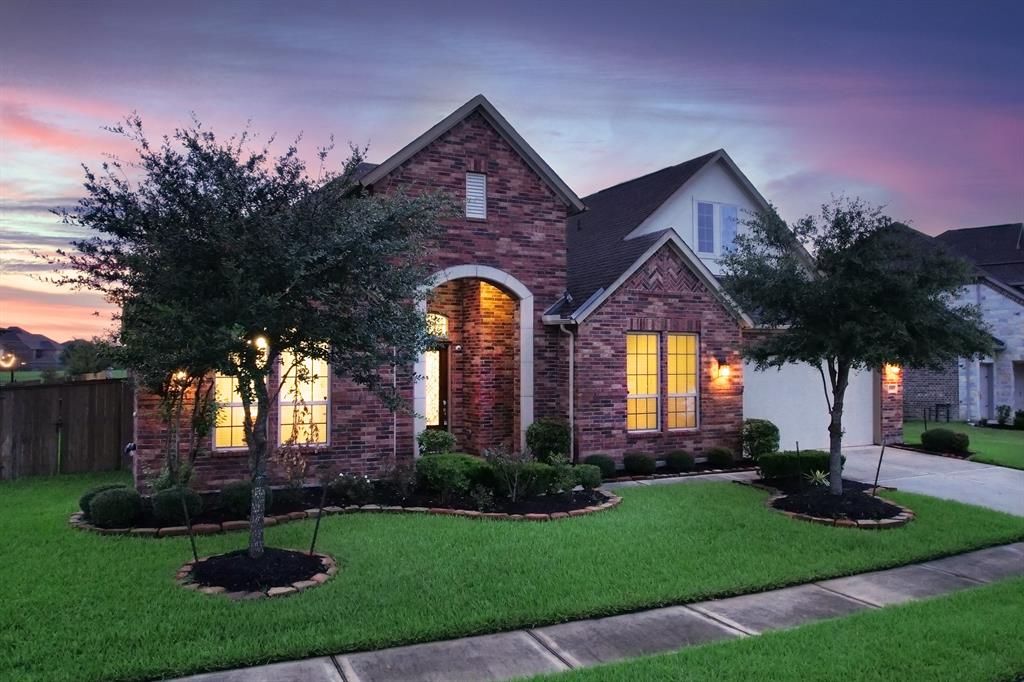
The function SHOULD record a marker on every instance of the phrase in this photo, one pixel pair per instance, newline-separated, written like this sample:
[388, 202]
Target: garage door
[794, 399]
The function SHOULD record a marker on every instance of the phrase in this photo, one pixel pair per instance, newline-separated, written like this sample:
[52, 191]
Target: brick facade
[891, 405]
[662, 296]
[923, 389]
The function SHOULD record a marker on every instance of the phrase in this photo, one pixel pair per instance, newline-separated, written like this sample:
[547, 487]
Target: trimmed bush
[539, 478]
[788, 466]
[588, 476]
[721, 458]
[236, 499]
[1018, 419]
[603, 462]
[167, 506]
[452, 474]
[563, 476]
[546, 438]
[638, 464]
[945, 440]
[436, 442]
[679, 461]
[760, 437]
[115, 508]
[350, 489]
[85, 499]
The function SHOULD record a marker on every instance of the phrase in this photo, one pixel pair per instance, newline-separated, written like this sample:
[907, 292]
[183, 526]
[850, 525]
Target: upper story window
[476, 196]
[717, 225]
[305, 399]
[705, 227]
[642, 382]
[729, 223]
[229, 430]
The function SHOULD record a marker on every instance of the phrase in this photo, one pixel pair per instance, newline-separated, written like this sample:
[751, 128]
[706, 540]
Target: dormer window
[705, 227]
[717, 225]
[476, 196]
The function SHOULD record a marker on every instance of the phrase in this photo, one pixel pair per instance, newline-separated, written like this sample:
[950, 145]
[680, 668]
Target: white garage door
[794, 399]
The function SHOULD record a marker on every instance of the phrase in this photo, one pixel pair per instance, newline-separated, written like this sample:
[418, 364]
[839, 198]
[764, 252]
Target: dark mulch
[698, 468]
[236, 572]
[852, 504]
[793, 485]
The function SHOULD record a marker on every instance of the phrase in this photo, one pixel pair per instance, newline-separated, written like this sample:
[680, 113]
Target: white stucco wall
[793, 398]
[1005, 317]
[715, 184]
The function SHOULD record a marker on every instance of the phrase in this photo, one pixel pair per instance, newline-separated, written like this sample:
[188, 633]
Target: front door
[986, 397]
[436, 382]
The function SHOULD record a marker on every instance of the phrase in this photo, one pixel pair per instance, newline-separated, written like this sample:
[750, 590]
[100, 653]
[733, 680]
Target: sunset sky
[918, 106]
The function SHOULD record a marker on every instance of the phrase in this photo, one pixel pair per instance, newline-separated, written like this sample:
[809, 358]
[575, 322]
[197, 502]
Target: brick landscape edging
[77, 520]
[903, 518]
[184, 579]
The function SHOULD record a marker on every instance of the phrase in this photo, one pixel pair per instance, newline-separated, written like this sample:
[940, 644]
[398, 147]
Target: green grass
[78, 606]
[970, 636]
[1004, 447]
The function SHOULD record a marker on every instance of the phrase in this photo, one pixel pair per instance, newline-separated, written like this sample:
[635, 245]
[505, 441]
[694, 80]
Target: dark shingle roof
[998, 250]
[598, 252]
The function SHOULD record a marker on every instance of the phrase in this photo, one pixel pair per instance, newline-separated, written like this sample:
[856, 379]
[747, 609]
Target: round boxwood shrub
[167, 506]
[945, 440]
[115, 508]
[760, 437]
[85, 499]
[350, 489]
[436, 442]
[546, 438]
[603, 462]
[720, 458]
[588, 476]
[236, 499]
[679, 461]
[639, 464]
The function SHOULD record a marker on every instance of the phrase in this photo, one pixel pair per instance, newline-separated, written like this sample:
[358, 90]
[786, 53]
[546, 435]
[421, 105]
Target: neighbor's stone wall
[663, 296]
[1005, 316]
[923, 389]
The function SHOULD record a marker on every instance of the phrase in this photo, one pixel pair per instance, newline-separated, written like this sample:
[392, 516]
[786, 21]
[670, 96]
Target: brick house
[604, 312]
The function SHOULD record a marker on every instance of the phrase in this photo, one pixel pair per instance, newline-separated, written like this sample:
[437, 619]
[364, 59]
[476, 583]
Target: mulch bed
[235, 571]
[852, 504]
[699, 469]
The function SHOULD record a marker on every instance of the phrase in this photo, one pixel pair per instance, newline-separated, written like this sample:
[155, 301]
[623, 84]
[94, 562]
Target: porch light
[892, 372]
[723, 370]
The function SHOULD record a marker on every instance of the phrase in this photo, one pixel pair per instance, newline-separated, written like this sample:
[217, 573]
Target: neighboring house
[975, 388]
[605, 312]
[31, 351]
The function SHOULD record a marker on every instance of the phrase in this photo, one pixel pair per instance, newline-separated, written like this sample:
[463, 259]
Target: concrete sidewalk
[583, 643]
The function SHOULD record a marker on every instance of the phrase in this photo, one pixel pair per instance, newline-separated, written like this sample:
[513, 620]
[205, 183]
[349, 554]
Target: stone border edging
[184, 579]
[77, 520]
[903, 518]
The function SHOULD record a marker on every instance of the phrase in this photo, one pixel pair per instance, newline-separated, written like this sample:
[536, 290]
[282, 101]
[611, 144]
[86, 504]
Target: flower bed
[856, 508]
[279, 573]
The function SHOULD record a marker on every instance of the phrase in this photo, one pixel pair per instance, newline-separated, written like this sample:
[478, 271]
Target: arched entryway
[485, 396]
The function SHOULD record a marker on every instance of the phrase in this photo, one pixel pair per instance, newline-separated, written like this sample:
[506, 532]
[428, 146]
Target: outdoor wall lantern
[892, 372]
[723, 371]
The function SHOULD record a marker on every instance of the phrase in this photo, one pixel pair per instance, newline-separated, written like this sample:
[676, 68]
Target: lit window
[229, 431]
[305, 398]
[705, 227]
[729, 223]
[642, 382]
[682, 381]
[434, 366]
[476, 196]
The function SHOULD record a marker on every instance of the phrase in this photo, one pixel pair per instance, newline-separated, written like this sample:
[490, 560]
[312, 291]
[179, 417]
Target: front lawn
[970, 636]
[1004, 447]
[78, 606]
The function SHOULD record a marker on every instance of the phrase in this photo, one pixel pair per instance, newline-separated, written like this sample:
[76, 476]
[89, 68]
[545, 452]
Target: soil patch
[853, 504]
[236, 572]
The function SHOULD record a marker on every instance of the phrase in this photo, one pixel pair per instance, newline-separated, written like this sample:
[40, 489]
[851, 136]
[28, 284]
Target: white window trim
[716, 226]
[483, 180]
[281, 402]
[213, 436]
[657, 384]
[696, 388]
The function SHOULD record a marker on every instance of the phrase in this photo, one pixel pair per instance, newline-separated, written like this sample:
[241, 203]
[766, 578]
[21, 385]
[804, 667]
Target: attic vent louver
[476, 196]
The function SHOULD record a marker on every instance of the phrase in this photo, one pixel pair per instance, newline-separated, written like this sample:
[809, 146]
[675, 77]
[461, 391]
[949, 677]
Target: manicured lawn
[971, 636]
[1004, 447]
[77, 606]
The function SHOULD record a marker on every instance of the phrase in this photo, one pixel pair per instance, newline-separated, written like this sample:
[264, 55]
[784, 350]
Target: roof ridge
[647, 175]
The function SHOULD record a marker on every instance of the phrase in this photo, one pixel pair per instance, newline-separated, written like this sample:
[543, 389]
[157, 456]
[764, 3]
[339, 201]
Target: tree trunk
[258, 470]
[835, 429]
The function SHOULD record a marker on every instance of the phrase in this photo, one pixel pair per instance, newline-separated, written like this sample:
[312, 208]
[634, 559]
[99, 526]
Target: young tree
[872, 292]
[224, 258]
[80, 356]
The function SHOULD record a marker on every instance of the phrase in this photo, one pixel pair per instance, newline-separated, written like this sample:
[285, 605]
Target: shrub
[588, 476]
[539, 478]
[546, 438]
[1018, 419]
[84, 500]
[1003, 414]
[563, 476]
[638, 464]
[720, 458]
[167, 506]
[436, 442]
[350, 489]
[679, 461]
[603, 462]
[790, 465]
[945, 440]
[451, 474]
[115, 508]
[760, 437]
[510, 474]
[236, 499]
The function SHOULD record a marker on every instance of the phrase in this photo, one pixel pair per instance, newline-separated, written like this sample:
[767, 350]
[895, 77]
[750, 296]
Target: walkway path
[583, 643]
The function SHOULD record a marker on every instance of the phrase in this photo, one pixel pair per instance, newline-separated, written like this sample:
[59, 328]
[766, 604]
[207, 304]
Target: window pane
[641, 381]
[305, 400]
[729, 221]
[682, 381]
[705, 227]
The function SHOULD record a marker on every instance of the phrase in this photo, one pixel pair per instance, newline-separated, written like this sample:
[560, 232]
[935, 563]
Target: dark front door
[436, 380]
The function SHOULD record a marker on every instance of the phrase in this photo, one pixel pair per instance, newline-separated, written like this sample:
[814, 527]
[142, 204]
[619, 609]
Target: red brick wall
[663, 296]
[892, 406]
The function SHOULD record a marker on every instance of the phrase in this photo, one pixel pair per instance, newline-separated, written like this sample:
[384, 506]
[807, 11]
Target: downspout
[572, 391]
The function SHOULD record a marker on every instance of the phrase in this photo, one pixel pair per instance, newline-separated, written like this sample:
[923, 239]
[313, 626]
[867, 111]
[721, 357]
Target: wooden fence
[64, 428]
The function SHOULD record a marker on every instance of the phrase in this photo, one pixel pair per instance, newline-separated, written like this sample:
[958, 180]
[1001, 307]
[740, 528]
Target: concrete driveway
[984, 485]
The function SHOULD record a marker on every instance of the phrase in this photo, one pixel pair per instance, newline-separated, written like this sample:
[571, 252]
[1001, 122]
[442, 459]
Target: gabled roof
[998, 250]
[486, 109]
